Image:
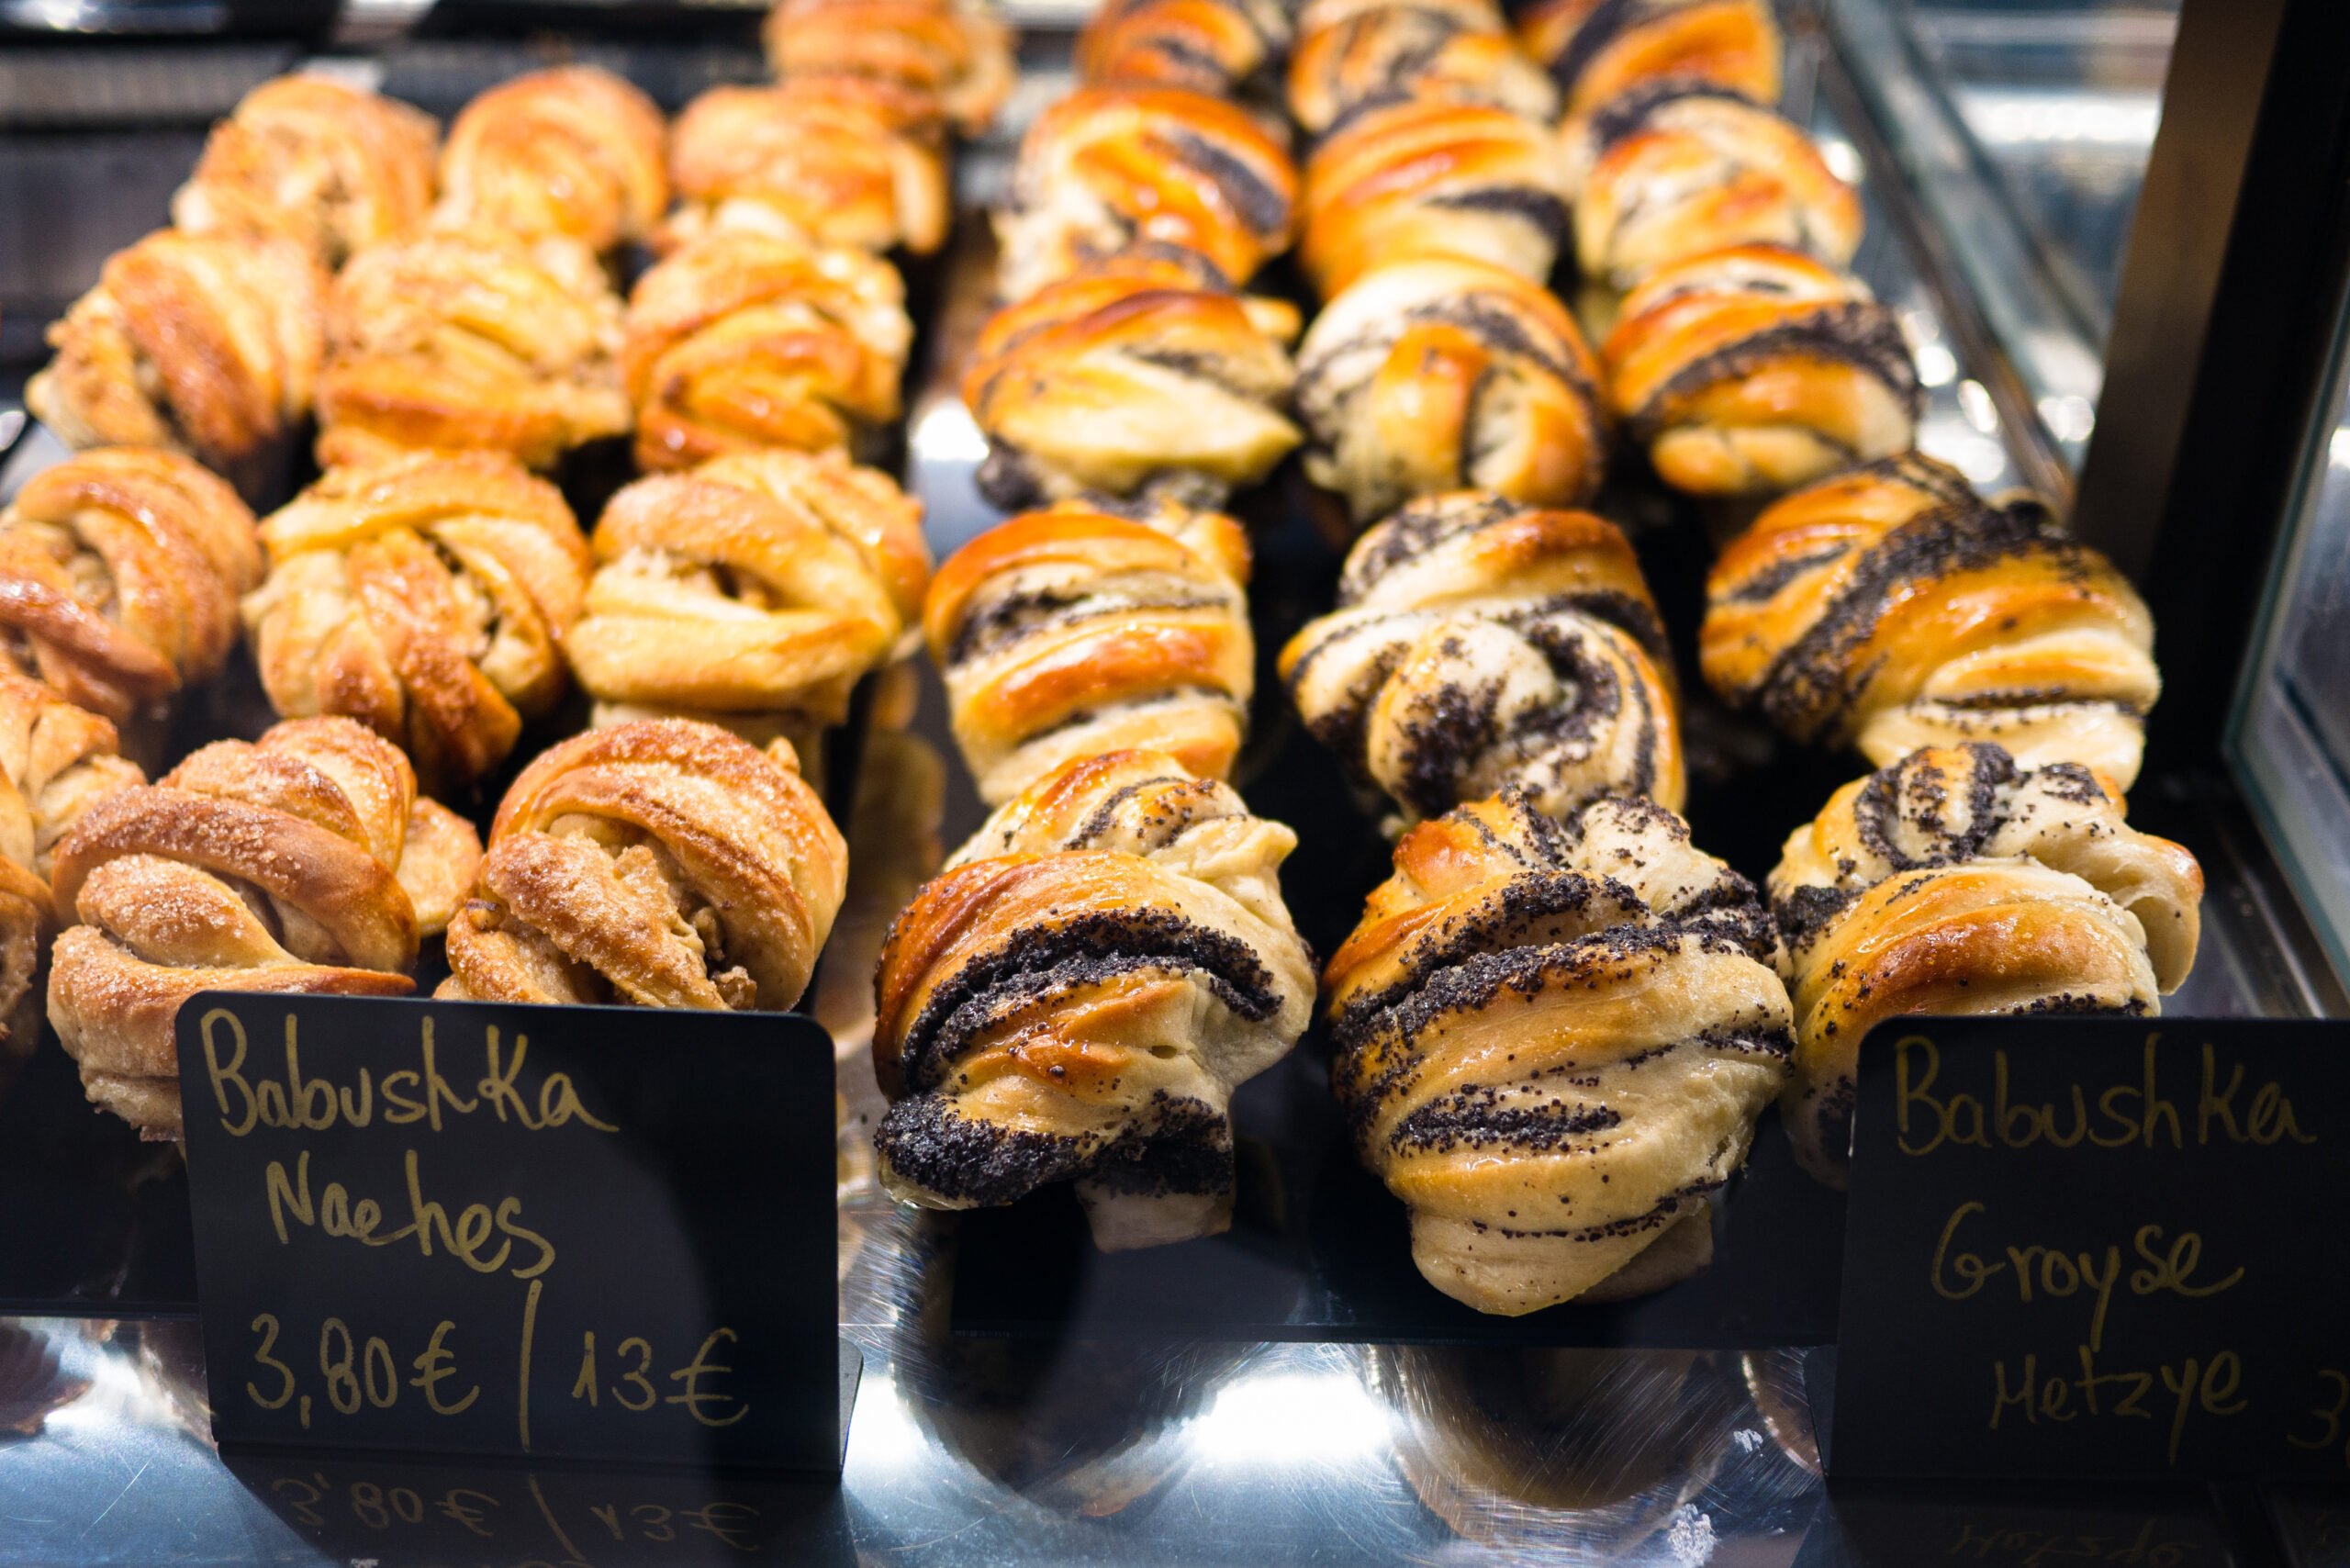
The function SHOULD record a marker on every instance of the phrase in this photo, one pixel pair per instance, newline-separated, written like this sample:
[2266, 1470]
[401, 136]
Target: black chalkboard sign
[2096, 1246]
[460, 1228]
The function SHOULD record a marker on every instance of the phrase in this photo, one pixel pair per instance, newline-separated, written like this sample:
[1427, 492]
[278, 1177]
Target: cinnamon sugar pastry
[955, 53]
[1127, 377]
[203, 345]
[572, 152]
[470, 339]
[1756, 369]
[662, 863]
[1226, 48]
[1956, 881]
[739, 341]
[1553, 1040]
[1443, 374]
[1353, 52]
[303, 862]
[1480, 642]
[330, 167]
[1109, 170]
[753, 590]
[1890, 608]
[831, 161]
[1085, 629]
[1075, 998]
[425, 595]
[119, 571]
[1599, 49]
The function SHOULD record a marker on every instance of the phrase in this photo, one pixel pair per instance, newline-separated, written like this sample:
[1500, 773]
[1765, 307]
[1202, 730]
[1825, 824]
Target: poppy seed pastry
[956, 55]
[571, 152]
[1354, 53]
[1076, 996]
[1227, 49]
[1598, 50]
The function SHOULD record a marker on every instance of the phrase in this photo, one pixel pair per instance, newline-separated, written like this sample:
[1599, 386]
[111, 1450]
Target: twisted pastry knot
[470, 339]
[1891, 607]
[1424, 177]
[1553, 1040]
[1598, 50]
[304, 862]
[571, 152]
[1129, 375]
[1076, 997]
[1757, 369]
[1081, 629]
[740, 341]
[1481, 643]
[1445, 373]
[425, 595]
[1354, 53]
[956, 55]
[330, 167]
[1223, 49]
[203, 345]
[1956, 881]
[1111, 169]
[756, 588]
[1675, 168]
[119, 571]
[827, 161]
[661, 863]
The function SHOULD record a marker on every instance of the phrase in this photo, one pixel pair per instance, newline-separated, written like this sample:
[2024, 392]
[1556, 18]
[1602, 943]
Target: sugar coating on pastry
[957, 55]
[1350, 53]
[572, 152]
[1598, 50]
[830, 160]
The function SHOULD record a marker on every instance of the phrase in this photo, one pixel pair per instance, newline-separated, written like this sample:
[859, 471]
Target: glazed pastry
[304, 862]
[661, 863]
[1125, 378]
[1446, 373]
[119, 571]
[572, 152]
[1351, 53]
[425, 595]
[1081, 629]
[1110, 170]
[1598, 49]
[1890, 608]
[1225, 49]
[1553, 1040]
[752, 591]
[1075, 998]
[1675, 168]
[956, 53]
[1757, 369]
[203, 345]
[830, 160]
[744, 341]
[1480, 642]
[470, 339]
[1956, 881]
[1421, 177]
[330, 167]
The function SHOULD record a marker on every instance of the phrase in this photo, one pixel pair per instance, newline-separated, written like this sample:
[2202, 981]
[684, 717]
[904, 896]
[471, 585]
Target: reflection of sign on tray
[497, 1229]
[2096, 1246]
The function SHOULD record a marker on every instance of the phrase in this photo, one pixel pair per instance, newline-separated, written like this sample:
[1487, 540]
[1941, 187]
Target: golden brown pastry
[330, 167]
[303, 862]
[1226, 48]
[427, 597]
[1353, 52]
[831, 160]
[1075, 998]
[1890, 608]
[1130, 376]
[1085, 629]
[1757, 369]
[1956, 881]
[955, 53]
[740, 341]
[1553, 1040]
[662, 863]
[470, 339]
[119, 571]
[1480, 642]
[571, 151]
[1110, 170]
[203, 345]
[752, 591]
[1444, 373]
[1424, 177]
[1675, 168]
[1598, 50]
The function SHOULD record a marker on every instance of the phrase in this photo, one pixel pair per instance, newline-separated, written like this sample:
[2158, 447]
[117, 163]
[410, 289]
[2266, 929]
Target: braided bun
[1354, 53]
[572, 152]
[827, 161]
[1598, 49]
[1222, 47]
[955, 55]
